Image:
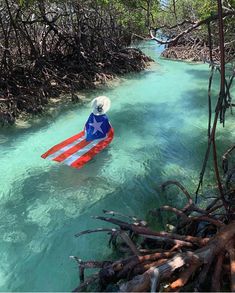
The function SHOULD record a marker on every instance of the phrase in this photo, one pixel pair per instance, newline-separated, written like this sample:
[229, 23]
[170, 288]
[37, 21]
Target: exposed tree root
[168, 261]
[58, 74]
[50, 48]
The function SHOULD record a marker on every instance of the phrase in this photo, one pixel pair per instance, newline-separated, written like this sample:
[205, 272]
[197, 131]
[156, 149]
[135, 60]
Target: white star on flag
[96, 125]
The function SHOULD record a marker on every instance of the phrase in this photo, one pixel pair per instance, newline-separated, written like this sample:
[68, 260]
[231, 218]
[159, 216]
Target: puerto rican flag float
[77, 150]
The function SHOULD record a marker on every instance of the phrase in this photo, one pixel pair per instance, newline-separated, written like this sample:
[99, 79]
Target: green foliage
[25, 3]
[136, 16]
[176, 11]
[207, 8]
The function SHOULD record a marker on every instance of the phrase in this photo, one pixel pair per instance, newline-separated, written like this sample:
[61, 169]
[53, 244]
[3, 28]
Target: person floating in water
[76, 151]
[97, 125]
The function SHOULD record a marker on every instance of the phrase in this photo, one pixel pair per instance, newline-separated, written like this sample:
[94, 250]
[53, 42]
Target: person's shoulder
[101, 117]
[104, 116]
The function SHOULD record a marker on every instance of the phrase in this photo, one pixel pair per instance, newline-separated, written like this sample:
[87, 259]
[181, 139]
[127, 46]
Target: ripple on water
[37, 245]
[3, 138]
[14, 236]
[39, 213]
[7, 219]
[4, 271]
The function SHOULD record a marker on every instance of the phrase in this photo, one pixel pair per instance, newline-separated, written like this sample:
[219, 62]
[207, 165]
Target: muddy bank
[29, 88]
[197, 53]
[190, 53]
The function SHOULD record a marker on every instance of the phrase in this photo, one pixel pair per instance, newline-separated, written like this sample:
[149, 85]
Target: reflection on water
[159, 117]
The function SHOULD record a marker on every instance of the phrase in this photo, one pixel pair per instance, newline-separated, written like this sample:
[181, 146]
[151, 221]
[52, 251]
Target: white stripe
[69, 161]
[65, 148]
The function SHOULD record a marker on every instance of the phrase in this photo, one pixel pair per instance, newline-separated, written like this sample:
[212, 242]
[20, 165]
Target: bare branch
[189, 29]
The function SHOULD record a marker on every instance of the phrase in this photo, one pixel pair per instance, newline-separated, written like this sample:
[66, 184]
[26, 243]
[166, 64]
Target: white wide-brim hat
[100, 105]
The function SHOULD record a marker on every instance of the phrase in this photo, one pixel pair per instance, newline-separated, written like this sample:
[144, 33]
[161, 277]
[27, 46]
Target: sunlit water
[160, 120]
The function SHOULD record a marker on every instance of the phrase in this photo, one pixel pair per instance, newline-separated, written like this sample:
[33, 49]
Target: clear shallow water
[160, 120]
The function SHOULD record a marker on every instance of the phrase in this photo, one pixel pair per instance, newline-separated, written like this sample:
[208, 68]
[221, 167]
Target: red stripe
[72, 150]
[62, 144]
[94, 151]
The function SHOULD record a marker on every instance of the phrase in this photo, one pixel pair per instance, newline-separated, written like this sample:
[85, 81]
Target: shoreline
[189, 53]
[27, 99]
[63, 92]
[58, 104]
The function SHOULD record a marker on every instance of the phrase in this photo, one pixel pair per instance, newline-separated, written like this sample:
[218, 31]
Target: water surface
[160, 120]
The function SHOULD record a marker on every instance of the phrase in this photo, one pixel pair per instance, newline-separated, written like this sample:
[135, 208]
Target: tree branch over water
[194, 26]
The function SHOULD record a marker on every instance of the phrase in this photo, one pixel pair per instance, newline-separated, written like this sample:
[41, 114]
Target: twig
[96, 230]
[144, 231]
[133, 218]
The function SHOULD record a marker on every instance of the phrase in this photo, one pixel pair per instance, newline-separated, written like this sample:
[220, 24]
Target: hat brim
[100, 105]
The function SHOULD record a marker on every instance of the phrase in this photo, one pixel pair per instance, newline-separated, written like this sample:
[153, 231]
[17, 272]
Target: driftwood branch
[194, 26]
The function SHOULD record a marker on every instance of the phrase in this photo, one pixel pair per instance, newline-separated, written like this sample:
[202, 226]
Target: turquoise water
[160, 121]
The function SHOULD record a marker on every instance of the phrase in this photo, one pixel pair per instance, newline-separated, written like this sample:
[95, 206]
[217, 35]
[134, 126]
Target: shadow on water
[44, 215]
[136, 189]
[57, 237]
[199, 73]
[135, 120]
[175, 147]
[197, 100]
[37, 214]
